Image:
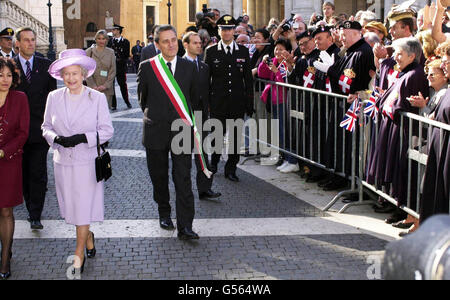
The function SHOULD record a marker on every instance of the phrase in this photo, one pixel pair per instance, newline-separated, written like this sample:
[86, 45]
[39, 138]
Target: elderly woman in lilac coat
[74, 115]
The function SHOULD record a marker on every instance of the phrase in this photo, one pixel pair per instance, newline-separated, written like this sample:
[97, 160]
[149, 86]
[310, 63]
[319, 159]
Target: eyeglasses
[433, 75]
[304, 43]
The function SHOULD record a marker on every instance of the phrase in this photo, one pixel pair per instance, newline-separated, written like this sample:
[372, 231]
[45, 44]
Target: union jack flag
[282, 68]
[371, 110]
[351, 117]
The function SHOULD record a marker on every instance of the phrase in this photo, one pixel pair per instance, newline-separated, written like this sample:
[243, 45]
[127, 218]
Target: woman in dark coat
[436, 188]
[14, 126]
[388, 164]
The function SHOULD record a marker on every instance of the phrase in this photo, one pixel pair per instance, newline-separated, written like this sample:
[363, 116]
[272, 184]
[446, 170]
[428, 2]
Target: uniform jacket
[231, 81]
[92, 116]
[37, 91]
[106, 61]
[121, 48]
[159, 112]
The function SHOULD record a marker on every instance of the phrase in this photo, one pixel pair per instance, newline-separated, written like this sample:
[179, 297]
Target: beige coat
[106, 65]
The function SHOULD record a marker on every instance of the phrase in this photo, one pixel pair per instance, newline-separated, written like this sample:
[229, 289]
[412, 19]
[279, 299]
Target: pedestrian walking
[14, 127]
[166, 90]
[136, 52]
[103, 78]
[76, 121]
[37, 84]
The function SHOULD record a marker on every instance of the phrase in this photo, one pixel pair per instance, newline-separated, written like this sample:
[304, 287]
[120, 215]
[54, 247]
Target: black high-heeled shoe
[4, 276]
[91, 253]
[81, 269]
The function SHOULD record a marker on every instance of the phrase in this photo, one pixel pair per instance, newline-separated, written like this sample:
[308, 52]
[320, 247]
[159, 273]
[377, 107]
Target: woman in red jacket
[14, 126]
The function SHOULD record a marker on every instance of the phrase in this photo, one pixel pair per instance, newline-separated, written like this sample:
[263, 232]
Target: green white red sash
[178, 100]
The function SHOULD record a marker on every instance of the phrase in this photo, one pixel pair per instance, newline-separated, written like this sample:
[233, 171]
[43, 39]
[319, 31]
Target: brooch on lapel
[240, 60]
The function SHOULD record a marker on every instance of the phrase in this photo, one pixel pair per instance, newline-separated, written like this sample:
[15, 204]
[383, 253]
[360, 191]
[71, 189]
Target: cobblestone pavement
[310, 252]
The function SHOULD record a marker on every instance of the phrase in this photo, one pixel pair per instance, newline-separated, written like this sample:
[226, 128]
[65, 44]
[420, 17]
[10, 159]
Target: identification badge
[104, 73]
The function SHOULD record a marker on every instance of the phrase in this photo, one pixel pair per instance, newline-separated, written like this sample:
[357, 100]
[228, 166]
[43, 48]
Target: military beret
[7, 33]
[350, 25]
[321, 29]
[306, 33]
[227, 21]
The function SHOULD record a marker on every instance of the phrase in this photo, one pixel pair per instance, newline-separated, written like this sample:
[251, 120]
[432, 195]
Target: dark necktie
[196, 63]
[7, 55]
[170, 67]
[228, 50]
[28, 74]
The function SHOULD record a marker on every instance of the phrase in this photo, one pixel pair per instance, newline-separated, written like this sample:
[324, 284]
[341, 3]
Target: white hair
[368, 16]
[246, 37]
[372, 38]
[410, 45]
[84, 72]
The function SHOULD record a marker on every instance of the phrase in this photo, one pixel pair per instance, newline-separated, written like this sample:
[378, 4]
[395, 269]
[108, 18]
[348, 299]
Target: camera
[288, 24]
[207, 12]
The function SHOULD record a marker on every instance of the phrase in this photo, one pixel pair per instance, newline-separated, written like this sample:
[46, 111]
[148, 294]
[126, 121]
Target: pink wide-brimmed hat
[72, 57]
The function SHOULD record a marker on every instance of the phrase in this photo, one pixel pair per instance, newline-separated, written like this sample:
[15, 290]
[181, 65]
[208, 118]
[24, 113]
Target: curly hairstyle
[443, 49]
[429, 45]
[11, 65]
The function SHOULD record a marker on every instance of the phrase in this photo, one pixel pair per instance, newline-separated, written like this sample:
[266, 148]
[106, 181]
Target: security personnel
[121, 47]
[231, 88]
[6, 43]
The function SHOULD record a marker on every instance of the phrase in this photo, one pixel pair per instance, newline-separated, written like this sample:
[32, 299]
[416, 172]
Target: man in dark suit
[159, 114]
[193, 46]
[150, 50]
[136, 52]
[121, 47]
[37, 84]
[231, 88]
[6, 43]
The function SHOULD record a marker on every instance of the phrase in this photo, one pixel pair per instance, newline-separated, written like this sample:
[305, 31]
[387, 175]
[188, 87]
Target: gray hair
[101, 32]
[247, 38]
[410, 45]
[163, 28]
[368, 16]
[84, 72]
[372, 38]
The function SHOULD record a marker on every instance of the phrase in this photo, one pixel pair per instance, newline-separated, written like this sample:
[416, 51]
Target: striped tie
[28, 74]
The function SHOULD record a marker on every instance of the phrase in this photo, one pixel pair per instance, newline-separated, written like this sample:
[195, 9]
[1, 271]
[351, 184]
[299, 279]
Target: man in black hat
[348, 76]
[121, 47]
[231, 88]
[6, 43]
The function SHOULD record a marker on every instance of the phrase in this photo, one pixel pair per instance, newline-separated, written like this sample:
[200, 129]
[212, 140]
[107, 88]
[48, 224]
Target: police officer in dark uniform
[121, 47]
[231, 88]
[6, 43]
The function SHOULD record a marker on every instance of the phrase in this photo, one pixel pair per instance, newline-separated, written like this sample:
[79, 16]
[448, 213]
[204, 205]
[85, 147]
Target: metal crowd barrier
[310, 121]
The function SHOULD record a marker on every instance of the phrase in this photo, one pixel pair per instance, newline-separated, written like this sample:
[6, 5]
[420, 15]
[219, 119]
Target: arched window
[91, 27]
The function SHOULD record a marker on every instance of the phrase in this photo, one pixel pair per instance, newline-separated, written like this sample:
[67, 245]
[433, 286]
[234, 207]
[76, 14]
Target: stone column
[259, 15]
[266, 12]
[251, 11]
[274, 9]
[237, 8]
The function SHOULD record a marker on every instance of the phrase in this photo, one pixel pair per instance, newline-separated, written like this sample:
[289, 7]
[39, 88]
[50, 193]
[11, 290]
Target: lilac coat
[92, 116]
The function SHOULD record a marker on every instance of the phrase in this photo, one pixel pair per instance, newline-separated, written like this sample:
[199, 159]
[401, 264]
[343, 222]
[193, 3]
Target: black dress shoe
[129, 105]
[314, 178]
[232, 177]
[385, 209]
[187, 234]
[114, 108]
[36, 225]
[213, 169]
[209, 194]
[395, 218]
[402, 225]
[4, 276]
[91, 253]
[166, 224]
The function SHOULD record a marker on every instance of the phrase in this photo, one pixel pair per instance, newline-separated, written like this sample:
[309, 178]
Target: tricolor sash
[176, 96]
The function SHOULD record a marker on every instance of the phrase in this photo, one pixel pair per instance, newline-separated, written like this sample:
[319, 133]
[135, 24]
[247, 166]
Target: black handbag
[102, 163]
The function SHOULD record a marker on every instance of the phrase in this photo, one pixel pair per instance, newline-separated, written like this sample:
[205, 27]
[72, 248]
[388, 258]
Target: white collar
[173, 63]
[190, 58]
[222, 44]
[11, 54]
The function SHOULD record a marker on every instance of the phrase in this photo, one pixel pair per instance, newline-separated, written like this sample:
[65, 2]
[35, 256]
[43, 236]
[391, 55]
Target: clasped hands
[71, 141]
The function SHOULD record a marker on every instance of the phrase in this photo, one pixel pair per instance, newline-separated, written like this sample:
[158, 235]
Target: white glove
[327, 61]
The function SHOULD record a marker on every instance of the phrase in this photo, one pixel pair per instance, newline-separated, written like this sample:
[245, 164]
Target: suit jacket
[231, 81]
[148, 52]
[202, 101]
[37, 91]
[159, 112]
[91, 116]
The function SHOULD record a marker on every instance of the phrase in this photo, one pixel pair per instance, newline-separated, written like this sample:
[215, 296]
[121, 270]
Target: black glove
[72, 141]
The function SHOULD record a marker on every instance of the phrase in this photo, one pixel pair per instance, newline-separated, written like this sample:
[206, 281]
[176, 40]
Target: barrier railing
[309, 131]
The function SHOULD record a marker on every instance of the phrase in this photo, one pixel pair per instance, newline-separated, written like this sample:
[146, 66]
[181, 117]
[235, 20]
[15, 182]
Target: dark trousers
[158, 167]
[121, 77]
[203, 183]
[34, 167]
[233, 159]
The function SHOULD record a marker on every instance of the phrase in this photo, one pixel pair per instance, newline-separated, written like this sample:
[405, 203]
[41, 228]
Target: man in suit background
[231, 88]
[136, 52]
[193, 46]
[150, 50]
[159, 114]
[6, 43]
[37, 84]
[121, 47]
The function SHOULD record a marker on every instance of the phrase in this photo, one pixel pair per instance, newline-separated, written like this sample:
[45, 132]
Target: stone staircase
[11, 15]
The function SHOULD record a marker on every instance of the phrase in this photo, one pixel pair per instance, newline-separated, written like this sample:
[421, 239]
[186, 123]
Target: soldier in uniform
[6, 43]
[231, 87]
[121, 47]
[348, 75]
